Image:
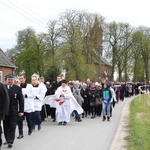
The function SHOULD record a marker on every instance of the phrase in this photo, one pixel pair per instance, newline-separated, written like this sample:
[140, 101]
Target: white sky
[16, 15]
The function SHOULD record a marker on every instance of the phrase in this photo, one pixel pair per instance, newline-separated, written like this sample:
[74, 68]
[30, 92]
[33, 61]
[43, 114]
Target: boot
[79, 120]
[30, 131]
[108, 118]
[93, 116]
[76, 119]
[82, 115]
[104, 118]
[85, 114]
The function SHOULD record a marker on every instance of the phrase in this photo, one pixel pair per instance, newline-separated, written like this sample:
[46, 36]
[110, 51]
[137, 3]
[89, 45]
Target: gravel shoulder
[119, 142]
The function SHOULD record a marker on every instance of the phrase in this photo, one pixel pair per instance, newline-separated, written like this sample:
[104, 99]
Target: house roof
[5, 61]
[104, 60]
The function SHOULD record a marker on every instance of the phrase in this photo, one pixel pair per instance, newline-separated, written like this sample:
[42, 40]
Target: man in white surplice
[65, 103]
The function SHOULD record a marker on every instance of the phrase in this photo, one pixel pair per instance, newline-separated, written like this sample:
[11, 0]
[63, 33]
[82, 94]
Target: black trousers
[85, 108]
[0, 134]
[28, 117]
[92, 110]
[53, 113]
[20, 124]
[29, 120]
[45, 112]
[98, 110]
[9, 124]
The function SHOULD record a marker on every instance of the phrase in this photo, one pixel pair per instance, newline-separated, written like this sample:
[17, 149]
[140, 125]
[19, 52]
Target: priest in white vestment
[65, 103]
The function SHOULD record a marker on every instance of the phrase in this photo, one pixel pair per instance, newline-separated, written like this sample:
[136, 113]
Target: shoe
[92, 117]
[39, 127]
[104, 118]
[108, 119]
[5, 143]
[64, 123]
[9, 145]
[33, 129]
[54, 120]
[20, 136]
[29, 131]
[60, 123]
[79, 120]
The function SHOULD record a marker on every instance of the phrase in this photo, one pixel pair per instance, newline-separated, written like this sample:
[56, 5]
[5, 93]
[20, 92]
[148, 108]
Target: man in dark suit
[55, 85]
[16, 108]
[4, 105]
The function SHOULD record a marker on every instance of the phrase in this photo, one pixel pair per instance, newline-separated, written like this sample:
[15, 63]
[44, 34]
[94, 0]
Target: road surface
[90, 134]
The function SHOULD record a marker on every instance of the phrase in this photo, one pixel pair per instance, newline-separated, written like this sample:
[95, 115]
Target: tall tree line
[71, 41]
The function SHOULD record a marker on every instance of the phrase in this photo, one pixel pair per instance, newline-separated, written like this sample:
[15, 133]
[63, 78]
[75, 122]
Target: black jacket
[84, 94]
[55, 85]
[16, 100]
[93, 94]
[4, 102]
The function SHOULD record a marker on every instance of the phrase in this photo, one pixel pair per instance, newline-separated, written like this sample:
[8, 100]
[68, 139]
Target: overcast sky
[17, 15]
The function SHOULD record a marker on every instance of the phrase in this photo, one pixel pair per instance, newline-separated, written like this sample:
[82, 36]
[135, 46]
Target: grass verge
[139, 124]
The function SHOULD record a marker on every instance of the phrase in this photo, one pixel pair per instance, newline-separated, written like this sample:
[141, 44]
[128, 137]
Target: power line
[33, 20]
[31, 11]
[31, 16]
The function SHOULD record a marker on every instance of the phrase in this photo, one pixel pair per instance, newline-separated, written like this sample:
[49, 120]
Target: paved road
[90, 134]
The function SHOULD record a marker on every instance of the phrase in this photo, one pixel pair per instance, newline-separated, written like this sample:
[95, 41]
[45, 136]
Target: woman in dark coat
[85, 104]
[92, 95]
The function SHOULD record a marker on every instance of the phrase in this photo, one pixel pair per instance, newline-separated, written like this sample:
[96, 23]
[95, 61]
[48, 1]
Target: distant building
[6, 66]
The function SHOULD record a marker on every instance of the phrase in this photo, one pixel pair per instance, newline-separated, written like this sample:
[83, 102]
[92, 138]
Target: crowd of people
[61, 100]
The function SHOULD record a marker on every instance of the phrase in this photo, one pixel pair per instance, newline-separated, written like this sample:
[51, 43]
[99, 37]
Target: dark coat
[16, 100]
[55, 85]
[93, 94]
[4, 102]
[84, 94]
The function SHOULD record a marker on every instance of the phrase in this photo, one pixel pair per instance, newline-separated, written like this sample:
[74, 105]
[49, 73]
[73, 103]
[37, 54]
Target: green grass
[139, 124]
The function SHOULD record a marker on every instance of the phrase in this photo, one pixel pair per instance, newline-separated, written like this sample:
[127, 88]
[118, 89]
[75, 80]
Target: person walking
[28, 95]
[4, 107]
[39, 90]
[85, 104]
[106, 101]
[16, 108]
[92, 95]
[79, 99]
[55, 85]
[66, 103]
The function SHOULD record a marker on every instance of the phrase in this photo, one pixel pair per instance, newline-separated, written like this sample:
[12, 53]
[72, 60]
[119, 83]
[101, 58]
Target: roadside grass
[139, 124]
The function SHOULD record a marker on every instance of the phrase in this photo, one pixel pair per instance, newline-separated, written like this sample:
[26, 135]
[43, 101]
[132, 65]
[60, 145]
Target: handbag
[98, 101]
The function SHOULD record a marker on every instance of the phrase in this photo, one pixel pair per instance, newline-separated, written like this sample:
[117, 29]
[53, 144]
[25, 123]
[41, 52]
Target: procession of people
[36, 101]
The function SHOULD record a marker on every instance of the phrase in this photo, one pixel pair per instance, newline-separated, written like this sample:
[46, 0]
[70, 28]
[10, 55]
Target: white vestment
[64, 105]
[29, 101]
[39, 93]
